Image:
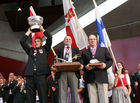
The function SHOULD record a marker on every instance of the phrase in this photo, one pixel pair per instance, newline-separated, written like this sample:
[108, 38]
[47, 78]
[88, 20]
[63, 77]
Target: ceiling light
[19, 9]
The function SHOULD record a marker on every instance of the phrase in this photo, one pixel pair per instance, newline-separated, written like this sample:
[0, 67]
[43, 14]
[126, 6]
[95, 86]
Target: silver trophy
[33, 21]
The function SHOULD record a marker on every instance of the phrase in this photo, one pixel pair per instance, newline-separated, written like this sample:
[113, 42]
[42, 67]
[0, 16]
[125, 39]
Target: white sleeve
[81, 83]
[128, 79]
[111, 76]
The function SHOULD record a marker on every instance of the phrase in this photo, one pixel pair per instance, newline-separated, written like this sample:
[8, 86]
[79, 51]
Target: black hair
[39, 38]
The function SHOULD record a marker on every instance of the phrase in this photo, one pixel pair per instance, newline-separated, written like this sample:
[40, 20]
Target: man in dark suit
[37, 68]
[137, 83]
[53, 86]
[9, 85]
[19, 91]
[68, 78]
[2, 89]
[96, 77]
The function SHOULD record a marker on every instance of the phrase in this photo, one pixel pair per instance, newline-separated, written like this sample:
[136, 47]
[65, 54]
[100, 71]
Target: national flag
[36, 34]
[73, 28]
[103, 39]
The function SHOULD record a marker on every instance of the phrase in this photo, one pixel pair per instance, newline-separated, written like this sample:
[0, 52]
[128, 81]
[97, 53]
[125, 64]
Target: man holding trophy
[68, 78]
[37, 68]
[96, 60]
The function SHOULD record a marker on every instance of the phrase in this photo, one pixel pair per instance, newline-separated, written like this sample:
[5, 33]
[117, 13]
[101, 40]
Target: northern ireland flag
[36, 34]
[73, 27]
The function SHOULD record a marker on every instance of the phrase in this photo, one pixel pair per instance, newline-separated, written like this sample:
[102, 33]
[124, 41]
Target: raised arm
[48, 40]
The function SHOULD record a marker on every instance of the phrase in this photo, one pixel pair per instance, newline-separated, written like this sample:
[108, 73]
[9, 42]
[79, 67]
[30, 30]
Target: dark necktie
[67, 54]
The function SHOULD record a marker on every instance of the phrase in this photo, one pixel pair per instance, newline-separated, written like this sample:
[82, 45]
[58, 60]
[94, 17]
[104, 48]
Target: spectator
[19, 91]
[120, 93]
[53, 86]
[9, 85]
[137, 83]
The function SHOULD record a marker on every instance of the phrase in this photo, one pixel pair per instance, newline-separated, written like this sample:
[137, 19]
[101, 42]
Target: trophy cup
[95, 63]
[33, 21]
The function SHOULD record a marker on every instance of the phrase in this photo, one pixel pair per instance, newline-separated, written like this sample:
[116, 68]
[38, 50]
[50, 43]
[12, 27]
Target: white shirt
[127, 78]
[1, 100]
[81, 83]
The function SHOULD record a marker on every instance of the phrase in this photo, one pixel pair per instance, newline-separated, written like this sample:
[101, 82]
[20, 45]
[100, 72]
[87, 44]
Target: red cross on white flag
[73, 28]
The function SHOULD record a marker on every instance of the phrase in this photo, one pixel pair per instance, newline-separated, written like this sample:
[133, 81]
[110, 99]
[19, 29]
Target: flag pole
[53, 51]
[56, 57]
[79, 26]
[31, 8]
[111, 51]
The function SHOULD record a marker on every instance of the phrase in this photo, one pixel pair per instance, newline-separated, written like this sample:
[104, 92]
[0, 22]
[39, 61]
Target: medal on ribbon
[35, 52]
[40, 51]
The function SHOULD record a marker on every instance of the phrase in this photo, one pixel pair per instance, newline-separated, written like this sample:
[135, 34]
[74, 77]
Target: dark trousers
[10, 99]
[54, 96]
[36, 83]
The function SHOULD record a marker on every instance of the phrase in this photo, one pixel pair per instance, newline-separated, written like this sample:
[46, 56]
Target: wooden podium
[68, 66]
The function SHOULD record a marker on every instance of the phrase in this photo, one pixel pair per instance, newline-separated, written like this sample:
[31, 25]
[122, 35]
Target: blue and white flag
[103, 39]
[102, 36]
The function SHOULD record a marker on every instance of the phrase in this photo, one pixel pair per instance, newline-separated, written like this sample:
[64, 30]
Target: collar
[93, 47]
[67, 46]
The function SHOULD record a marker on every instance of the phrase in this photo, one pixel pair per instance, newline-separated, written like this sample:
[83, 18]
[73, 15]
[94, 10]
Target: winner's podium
[67, 66]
